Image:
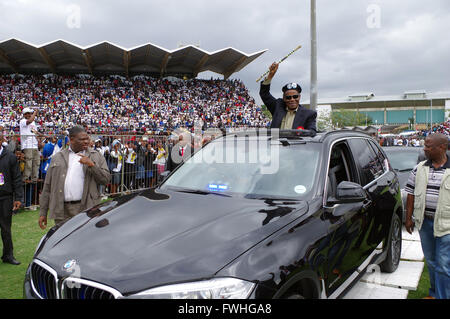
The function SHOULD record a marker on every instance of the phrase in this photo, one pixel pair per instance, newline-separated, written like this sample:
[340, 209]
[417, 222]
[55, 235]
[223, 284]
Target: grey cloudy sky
[380, 46]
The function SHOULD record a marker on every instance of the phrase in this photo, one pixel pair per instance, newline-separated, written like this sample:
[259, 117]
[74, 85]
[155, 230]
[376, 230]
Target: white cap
[27, 110]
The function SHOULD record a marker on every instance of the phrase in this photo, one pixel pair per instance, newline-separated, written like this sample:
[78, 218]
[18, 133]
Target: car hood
[152, 238]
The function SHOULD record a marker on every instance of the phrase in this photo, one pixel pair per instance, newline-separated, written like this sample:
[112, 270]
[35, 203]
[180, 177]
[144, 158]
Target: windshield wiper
[199, 191]
[268, 197]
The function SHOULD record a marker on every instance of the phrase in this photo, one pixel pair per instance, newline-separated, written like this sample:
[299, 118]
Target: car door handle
[366, 204]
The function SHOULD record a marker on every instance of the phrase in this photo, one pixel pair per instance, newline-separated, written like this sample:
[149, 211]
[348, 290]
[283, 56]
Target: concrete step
[412, 251]
[406, 276]
[364, 290]
[377, 285]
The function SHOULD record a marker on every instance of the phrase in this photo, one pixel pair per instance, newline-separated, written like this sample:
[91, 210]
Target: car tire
[394, 249]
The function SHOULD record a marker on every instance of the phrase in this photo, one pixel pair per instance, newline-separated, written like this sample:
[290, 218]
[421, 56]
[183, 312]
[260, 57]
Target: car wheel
[392, 260]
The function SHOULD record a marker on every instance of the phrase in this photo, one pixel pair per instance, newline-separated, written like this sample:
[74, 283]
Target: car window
[340, 168]
[243, 169]
[366, 159]
[402, 160]
[381, 158]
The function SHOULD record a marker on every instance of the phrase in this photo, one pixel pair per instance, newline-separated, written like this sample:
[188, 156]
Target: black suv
[263, 214]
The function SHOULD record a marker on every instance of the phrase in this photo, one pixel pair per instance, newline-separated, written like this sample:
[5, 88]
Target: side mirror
[349, 192]
[349, 197]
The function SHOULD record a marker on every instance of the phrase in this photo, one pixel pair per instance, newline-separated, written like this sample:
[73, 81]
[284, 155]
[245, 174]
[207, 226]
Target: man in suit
[73, 178]
[287, 113]
[11, 197]
[180, 152]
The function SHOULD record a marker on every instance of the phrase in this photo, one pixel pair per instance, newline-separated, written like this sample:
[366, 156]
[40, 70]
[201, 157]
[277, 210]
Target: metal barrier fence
[134, 161]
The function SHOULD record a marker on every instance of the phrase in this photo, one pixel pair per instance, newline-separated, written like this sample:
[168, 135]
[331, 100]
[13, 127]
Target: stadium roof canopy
[63, 57]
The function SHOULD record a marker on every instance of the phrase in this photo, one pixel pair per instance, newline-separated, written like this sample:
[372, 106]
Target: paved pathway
[377, 285]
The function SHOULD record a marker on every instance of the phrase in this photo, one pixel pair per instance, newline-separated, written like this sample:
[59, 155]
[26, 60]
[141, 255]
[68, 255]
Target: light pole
[313, 85]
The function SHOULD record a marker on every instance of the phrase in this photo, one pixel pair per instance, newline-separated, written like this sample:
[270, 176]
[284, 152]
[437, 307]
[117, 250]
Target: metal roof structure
[60, 56]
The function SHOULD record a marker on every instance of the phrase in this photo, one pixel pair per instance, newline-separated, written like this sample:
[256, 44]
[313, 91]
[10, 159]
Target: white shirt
[27, 137]
[74, 182]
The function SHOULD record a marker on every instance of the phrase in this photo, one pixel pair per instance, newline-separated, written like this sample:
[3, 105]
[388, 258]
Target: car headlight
[219, 288]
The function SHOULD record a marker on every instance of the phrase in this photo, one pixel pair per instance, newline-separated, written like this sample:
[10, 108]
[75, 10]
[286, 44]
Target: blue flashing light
[216, 187]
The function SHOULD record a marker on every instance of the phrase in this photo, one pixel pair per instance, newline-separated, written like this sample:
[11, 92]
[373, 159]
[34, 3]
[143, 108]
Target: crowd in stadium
[112, 104]
[415, 138]
[443, 128]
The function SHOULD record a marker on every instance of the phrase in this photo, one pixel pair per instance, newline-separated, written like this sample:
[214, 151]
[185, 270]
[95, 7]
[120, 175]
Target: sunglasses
[289, 97]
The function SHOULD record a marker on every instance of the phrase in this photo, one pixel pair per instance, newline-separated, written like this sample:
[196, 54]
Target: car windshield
[250, 169]
[402, 160]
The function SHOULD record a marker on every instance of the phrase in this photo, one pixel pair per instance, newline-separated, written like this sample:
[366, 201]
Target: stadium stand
[111, 104]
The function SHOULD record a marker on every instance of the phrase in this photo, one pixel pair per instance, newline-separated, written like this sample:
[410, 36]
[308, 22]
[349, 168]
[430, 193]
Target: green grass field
[424, 285]
[26, 236]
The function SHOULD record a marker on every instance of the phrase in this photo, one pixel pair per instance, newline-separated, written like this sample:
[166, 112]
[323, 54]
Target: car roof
[403, 149]
[304, 135]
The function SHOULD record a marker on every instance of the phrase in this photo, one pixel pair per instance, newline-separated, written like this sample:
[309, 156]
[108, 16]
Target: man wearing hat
[29, 145]
[287, 113]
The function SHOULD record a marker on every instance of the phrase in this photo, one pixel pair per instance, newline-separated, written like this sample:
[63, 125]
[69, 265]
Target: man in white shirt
[29, 145]
[72, 181]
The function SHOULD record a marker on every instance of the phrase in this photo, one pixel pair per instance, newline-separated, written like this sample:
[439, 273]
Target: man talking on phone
[72, 180]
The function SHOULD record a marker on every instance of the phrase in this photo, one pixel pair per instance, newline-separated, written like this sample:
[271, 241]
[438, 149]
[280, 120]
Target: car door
[346, 221]
[377, 180]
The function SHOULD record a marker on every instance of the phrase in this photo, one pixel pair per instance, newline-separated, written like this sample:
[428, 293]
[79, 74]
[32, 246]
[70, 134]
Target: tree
[349, 118]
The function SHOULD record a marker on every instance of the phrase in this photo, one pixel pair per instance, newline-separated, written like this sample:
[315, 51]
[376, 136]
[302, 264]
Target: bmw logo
[69, 264]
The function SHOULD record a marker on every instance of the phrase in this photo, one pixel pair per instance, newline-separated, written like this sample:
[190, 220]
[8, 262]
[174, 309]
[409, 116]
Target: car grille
[76, 290]
[45, 284]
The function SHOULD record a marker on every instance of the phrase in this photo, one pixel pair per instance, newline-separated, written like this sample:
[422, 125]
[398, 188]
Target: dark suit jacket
[304, 117]
[175, 157]
[11, 186]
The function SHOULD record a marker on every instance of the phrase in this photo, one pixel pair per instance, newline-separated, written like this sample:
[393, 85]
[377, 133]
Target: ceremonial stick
[259, 79]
